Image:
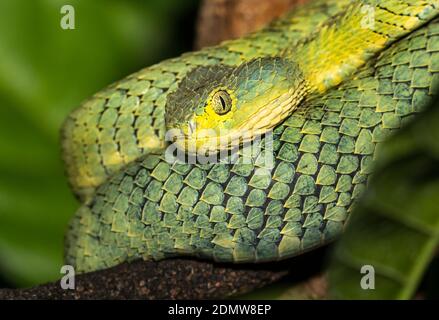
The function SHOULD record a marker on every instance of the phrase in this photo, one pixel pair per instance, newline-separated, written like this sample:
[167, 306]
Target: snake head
[218, 107]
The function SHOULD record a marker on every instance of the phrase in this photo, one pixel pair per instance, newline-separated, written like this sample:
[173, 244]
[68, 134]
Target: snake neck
[348, 40]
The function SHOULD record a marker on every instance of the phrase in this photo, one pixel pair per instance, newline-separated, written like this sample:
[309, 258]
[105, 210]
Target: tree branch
[167, 279]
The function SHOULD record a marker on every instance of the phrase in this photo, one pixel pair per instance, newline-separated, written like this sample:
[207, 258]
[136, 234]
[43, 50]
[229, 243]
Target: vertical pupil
[223, 103]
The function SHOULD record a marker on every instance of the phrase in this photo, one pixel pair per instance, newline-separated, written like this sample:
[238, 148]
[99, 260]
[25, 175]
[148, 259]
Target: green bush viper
[323, 85]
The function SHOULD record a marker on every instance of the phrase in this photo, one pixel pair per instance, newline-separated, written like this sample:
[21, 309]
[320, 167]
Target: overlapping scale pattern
[126, 120]
[256, 209]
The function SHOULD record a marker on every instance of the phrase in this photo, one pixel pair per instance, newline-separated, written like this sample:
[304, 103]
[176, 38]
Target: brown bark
[229, 19]
[187, 279]
[168, 279]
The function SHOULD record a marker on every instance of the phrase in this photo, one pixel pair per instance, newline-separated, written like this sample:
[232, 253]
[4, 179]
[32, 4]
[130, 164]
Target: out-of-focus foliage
[45, 72]
[395, 227]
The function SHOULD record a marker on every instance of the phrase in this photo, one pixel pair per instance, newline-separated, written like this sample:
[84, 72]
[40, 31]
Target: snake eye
[221, 102]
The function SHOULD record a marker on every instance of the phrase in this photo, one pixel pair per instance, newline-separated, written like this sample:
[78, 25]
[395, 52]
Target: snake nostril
[223, 103]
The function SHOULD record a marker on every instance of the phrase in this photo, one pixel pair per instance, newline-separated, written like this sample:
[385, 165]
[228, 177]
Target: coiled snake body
[332, 79]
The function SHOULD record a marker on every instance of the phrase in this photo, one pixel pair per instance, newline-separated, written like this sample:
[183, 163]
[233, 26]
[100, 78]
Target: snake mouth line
[259, 123]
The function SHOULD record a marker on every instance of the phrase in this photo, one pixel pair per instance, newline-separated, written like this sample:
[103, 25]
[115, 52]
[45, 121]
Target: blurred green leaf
[395, 227]
[45, 72]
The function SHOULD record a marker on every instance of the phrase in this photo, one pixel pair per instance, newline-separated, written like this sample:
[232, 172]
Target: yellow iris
[210, 118]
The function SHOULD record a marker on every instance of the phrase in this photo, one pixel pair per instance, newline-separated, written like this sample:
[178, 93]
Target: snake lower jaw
[215, 144]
